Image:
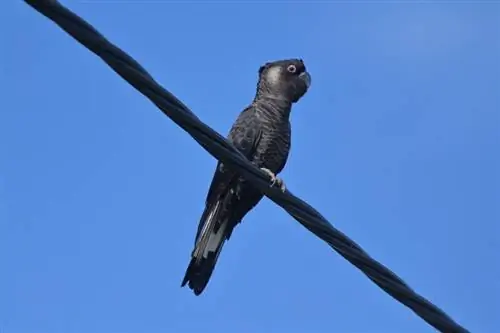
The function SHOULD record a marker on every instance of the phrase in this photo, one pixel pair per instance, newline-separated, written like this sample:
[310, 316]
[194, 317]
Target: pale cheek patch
[273, 75]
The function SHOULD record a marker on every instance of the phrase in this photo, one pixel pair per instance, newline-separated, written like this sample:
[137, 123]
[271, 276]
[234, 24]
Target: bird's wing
[244, 135]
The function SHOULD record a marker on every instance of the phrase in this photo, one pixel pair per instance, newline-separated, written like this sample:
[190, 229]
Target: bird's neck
[273, 105]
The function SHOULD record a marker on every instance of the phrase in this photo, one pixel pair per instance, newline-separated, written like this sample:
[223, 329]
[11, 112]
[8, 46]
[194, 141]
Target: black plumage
[262, 133]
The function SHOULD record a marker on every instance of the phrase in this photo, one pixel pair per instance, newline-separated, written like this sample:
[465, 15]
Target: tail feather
[208, 246]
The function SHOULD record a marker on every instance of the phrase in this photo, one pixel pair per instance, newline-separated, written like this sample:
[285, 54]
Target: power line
[220, 148]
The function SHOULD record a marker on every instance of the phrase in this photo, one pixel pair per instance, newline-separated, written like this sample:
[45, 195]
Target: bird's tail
[209, 243]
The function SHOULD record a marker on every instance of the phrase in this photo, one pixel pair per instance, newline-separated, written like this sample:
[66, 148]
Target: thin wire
[220, 148]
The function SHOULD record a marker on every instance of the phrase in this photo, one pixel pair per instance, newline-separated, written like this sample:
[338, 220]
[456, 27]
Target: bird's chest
[274, 146]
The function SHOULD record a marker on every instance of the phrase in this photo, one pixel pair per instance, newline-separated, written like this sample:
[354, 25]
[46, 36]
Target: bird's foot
[275, 180]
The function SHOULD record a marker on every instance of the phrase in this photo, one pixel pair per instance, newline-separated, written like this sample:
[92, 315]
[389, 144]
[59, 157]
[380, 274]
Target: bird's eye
[291, 68]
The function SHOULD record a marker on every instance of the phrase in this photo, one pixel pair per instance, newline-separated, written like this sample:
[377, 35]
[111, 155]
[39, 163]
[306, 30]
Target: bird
[262, 133]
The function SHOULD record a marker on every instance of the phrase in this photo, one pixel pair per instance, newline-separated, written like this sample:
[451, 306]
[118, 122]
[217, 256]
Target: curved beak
[306, 77]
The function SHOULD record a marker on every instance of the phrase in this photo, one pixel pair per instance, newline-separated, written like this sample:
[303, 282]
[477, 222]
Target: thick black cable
[217, 146]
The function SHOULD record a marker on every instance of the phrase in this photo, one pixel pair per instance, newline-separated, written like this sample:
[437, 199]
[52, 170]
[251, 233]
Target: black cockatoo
[262, 133]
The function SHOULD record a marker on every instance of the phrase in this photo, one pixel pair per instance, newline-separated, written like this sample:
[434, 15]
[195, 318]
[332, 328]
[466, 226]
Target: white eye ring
[291, 68]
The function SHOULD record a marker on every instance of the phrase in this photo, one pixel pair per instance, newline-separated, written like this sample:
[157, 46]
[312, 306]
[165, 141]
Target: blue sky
[396, 144]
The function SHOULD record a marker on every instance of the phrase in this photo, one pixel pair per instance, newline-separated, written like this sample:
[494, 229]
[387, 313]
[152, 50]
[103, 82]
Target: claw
[275, 180]
[271, 175]
[282, 185]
